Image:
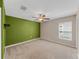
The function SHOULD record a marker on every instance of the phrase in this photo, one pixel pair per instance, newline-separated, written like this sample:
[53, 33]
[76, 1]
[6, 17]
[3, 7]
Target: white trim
[59, 43]
[22, 42]
[76, 31]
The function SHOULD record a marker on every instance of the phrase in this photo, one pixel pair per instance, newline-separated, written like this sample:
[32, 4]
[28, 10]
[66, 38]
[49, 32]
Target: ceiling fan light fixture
[40, 19]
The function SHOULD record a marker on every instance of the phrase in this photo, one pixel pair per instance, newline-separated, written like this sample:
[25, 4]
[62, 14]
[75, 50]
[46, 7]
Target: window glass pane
[65, 31]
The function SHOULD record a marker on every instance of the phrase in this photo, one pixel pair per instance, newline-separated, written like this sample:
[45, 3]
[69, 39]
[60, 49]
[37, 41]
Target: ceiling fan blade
[46, 18]
[40, 15]
[34, 17]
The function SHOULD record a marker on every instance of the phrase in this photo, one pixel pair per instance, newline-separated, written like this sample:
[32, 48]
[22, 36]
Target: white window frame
[65, 30]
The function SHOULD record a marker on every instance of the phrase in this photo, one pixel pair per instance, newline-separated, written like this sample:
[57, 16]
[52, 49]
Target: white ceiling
[52, 8]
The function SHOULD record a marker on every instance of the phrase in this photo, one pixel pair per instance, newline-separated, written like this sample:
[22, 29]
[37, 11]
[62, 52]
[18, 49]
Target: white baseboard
[60, 43]
[22, 42]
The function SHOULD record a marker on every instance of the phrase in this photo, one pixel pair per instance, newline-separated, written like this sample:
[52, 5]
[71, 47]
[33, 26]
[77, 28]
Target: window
[65, 30]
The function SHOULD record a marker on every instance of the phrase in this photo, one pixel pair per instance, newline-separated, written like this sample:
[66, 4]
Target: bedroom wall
[21, 30]
[2, 29]
[49, 31]
[77, 27]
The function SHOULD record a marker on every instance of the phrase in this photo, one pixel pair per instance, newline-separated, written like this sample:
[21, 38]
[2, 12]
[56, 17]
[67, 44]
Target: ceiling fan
[41, 18]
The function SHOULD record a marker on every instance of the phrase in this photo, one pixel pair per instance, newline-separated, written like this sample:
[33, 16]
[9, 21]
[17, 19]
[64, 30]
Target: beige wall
[49, 31]
[77, 27]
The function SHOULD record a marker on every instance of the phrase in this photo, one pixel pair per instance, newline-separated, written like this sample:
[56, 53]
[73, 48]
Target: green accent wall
[1, 2]
[21, 30]
[2, 29]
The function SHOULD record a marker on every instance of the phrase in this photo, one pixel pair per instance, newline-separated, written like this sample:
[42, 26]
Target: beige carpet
[40, 49]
